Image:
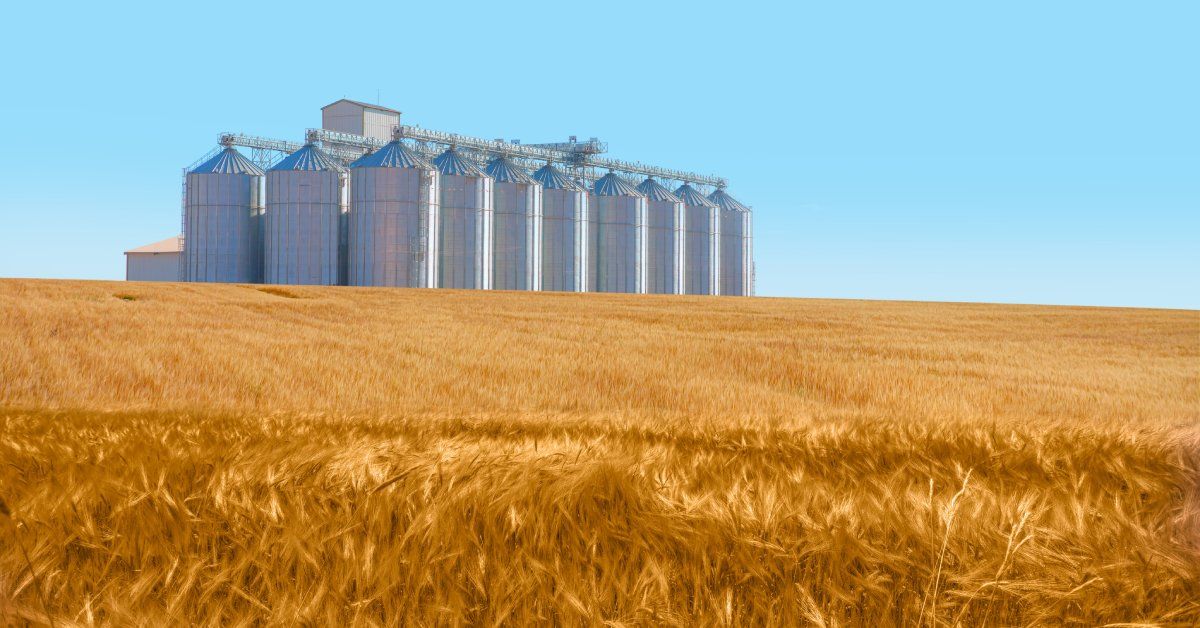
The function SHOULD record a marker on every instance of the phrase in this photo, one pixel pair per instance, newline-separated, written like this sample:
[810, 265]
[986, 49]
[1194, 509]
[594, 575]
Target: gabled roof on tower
[502, 169]
[691, 196]
[310, 158]
[727, 202]
[228, 161]
[612, 185]
[552, 178]
[454, 163]
[655, 191]
[394, 154]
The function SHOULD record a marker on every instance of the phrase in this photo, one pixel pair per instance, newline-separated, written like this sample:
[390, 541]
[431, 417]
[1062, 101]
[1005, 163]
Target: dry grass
[228, 455]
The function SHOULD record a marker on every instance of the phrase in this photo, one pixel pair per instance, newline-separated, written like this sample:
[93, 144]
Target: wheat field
[243, 455]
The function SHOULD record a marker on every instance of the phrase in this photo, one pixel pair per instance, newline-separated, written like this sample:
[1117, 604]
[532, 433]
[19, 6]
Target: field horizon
[238, 454]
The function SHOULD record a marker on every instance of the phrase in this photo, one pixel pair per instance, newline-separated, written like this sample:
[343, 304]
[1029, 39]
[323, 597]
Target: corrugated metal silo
[222, 208]
[393, 220]
[466, 223]
[593, 236]
[702, 230]
[664, 239]
[618, 258]
[737, 265]
[564, 231]
[516, 227]
[302, 222]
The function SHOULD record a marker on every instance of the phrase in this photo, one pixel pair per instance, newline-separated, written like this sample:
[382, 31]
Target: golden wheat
[232, 455]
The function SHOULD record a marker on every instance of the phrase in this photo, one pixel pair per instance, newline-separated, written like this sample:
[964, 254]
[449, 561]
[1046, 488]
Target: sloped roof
[655, 191]
[691, 196]
[727, 202]
[360, 104]
[309, 157]
[228, 161]
[454, 163]
[552, 178]
[172, 244]
[394, 154]
[502, 169]
[612, 185]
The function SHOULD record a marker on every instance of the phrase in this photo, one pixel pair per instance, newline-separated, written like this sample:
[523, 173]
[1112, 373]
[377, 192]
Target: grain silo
[413, 220]
[702, 229]
[664, 239]
[516, 227]
[222, 210]
[393, 220]
[592, 242]
[564, 231]
[737, 272]
[466, 223]
[301, 227]
[618, 257]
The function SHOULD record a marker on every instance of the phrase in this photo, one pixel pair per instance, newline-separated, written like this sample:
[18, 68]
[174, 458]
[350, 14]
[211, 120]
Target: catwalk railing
[580, 156]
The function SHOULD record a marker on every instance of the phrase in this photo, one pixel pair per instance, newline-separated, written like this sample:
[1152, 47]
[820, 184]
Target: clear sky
[1016, 151]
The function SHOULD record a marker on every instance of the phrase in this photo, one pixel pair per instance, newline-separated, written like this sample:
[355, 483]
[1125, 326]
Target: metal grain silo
[222, 207]
[593, 237]
[702, 230]
[302, 222]
[737, 262]
[393, 220]
[618, 257]
[564, 231]
[466, 223]
[516, 227]
[664, 239]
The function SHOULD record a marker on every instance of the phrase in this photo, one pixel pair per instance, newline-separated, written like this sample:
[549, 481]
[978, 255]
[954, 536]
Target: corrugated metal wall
[378, 124]
[392, 226]
[221, 228]
[663, 250]
[300, 240]
[620, 244]
[593, 244]
[466, 232]
[564, 234]
[152, 266]
[701, 245]
[517, 231]
[734, 253]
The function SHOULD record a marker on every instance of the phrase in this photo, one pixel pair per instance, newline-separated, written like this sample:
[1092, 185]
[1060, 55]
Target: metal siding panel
[378, 124]
[564, 214]
[388, 224]
[661, 264]
[301, 228]
[700, 242]
[732, 253]
[619, 244]
[152, 266]
[219, 226]
[466, 229]
[517, 236]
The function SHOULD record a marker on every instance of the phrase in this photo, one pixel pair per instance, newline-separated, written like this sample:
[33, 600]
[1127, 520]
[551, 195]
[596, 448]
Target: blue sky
[1027, 152]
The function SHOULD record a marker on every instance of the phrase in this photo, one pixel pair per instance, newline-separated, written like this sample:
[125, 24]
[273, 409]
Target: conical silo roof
[655, 191]
[691, 196]
[228, 161]
[552, 178]
[454, 163]
[309, 157]
[612, 185]
[394, 154]
[727, 202]
[502, 169]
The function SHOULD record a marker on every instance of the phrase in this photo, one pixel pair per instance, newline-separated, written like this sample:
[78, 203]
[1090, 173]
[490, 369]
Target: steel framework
[583, 159]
